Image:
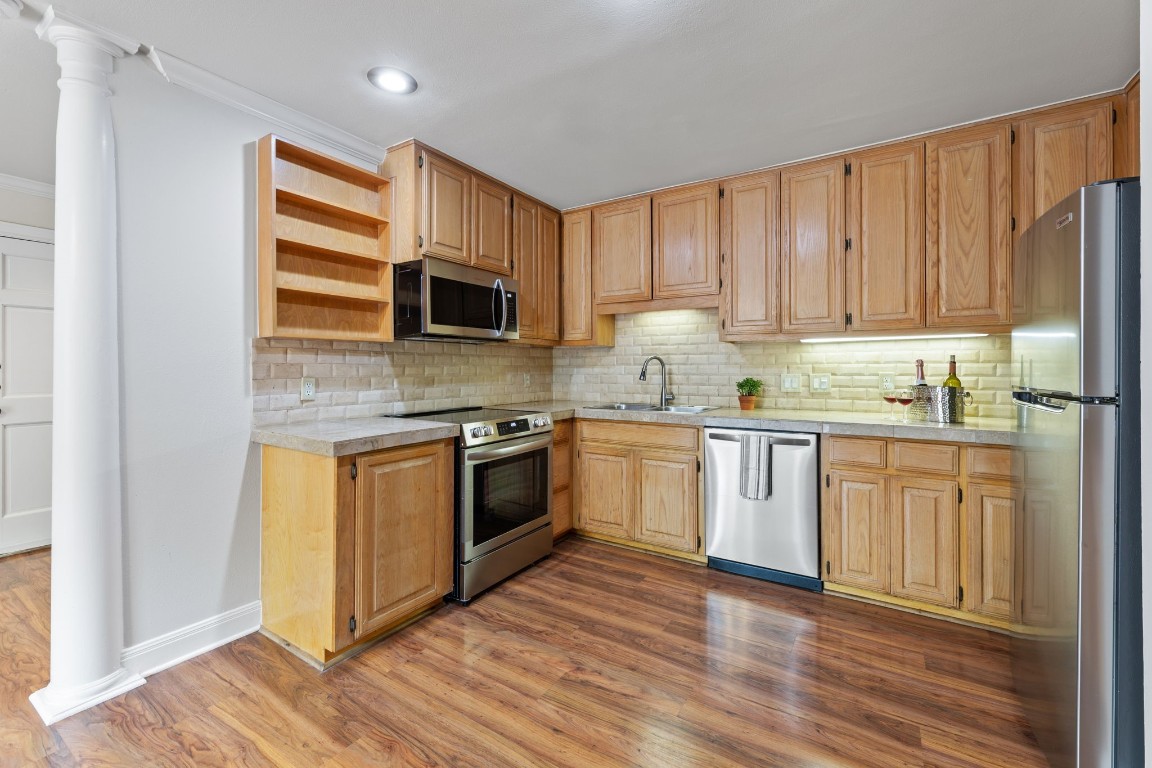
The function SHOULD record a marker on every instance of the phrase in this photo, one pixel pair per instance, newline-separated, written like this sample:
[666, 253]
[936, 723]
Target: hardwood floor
[597, 657]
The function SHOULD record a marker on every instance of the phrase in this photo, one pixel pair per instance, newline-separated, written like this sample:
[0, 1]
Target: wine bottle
[919, 374]
[952, 380]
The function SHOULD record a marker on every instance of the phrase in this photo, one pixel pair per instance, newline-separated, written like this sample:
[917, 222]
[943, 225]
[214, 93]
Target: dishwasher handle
[773, 440]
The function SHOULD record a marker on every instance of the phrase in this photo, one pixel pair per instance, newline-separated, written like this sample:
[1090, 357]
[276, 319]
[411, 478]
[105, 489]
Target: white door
[25, 394]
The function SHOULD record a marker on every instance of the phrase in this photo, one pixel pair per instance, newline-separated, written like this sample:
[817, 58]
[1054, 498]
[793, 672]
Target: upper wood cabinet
[491, 225]
[750, 256]
[1132, 122]
[685, 260]
[446, 209]
[812, 247]
[622, 251]
[968, 223]
[885, 261]
[579, 323]
[1058, 151]
[536, 255]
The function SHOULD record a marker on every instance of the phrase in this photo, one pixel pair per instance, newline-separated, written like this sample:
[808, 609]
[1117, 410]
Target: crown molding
[59, 25]
[182, 73]
[26, 186]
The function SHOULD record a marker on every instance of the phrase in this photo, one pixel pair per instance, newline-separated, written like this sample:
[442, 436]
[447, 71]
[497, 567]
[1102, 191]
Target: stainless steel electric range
[503, 493]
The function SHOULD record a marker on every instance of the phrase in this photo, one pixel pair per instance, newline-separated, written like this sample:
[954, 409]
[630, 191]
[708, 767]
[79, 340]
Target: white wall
[29, 210]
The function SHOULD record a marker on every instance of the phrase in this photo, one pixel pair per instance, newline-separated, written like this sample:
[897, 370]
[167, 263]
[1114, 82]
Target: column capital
[57, 26]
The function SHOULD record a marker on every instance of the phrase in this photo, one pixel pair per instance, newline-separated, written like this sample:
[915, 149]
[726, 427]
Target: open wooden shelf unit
[324, 255]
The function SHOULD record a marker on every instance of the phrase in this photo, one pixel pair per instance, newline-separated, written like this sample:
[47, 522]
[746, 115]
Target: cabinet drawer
[562, 431]
[659, 435]
[928, 457]
[995, 463]
[858, 452]
[561, 466]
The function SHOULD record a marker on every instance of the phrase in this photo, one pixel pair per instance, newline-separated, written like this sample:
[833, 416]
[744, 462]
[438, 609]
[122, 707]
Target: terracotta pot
[747, 402]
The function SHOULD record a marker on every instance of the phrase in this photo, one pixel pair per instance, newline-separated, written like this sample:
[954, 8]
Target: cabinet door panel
[685, 244]
[993, 520]
[667, 515]
[606, 490]
[492, 226]
[403, 532]
[576, 277]
[622, 251]
[812, 246]
[857, 529]
[447, 202]
[886, 261]
[923, 533]
[525, 249]
[750, 256]
[968, 218]
[548, 275]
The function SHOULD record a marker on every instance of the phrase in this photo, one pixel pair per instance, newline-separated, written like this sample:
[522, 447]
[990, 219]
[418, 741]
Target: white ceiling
[577, 102]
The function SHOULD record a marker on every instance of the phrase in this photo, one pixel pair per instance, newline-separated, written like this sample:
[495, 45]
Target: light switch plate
[886, 382]
[789, 382]
[821, 382]
[307, 388]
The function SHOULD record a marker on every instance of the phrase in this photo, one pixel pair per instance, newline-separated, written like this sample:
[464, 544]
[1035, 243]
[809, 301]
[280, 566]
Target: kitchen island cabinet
[353, 546]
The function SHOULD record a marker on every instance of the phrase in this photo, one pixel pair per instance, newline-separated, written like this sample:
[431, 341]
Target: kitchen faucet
[665, 395]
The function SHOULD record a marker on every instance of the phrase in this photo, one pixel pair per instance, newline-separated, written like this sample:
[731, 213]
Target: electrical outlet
[821, 382]
[790, 382]
[527, 380]
[886, 382]
[307, 388]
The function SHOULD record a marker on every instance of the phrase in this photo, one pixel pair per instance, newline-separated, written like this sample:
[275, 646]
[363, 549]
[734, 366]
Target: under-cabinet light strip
[843, 339]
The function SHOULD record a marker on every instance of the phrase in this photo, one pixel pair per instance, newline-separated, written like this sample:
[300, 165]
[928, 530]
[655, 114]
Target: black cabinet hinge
[1013, 136]
[354, 470]
[828, 567]
[848, 318]
[351, 623]
[723, 323]
[961, 594]
[699, 543]
[827, 481]
[1114, 116]
[1013, 223]
[959, 495]
[420, 240]
[721, 193]
[697, 465]
[847, 169]
[848, 244]
[420, 161]
[512, 265]
[721, 282]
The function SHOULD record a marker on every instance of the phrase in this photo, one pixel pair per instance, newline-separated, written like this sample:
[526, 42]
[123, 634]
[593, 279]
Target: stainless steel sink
[687, 408]
[623, 407]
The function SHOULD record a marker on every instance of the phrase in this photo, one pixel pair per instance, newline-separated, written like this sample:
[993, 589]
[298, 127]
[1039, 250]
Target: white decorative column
[87, 632]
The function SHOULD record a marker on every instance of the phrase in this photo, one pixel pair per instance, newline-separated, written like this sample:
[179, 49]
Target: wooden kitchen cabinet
[685, 241]
[885, 261]
[857, 547]
[536, 255]
[353, 546]
[968, 227]
[491, 225]
[579, 323]
[561, 478]
[812, 247]
[639, 484]
[622, 251]
[446, 208]
[750, 257]
[993, 522]
[924, 540]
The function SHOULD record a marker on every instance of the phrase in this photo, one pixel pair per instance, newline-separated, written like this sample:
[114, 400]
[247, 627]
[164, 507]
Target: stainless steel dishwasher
[762, 505]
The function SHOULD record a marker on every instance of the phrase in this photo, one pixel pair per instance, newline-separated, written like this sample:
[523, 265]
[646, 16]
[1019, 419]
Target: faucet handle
[669, 396]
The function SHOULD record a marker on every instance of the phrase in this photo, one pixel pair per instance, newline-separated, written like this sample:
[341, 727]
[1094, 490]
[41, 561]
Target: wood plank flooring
[599, 656]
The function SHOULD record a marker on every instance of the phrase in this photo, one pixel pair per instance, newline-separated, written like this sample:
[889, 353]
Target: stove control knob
[477, 431]
[487, 431]
[540, 422]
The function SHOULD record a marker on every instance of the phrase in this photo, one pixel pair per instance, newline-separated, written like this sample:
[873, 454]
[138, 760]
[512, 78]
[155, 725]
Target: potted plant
[747, 389]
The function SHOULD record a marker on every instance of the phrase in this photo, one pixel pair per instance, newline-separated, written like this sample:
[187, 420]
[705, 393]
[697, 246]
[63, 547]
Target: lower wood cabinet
[353, 546]
[640, 484]
[933, 526]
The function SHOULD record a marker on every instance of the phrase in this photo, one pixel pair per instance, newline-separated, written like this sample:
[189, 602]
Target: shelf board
[306, 246]
[343, 295]
[319, 204]
[337, 168]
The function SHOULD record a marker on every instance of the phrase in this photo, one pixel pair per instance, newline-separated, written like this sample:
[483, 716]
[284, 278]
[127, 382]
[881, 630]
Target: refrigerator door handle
[1054, 401]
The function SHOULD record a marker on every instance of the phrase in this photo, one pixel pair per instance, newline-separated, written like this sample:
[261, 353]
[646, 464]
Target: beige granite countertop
[973, 430]
[342, 437]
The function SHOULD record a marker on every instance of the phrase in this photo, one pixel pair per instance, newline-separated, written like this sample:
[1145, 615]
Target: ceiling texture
[577, 102]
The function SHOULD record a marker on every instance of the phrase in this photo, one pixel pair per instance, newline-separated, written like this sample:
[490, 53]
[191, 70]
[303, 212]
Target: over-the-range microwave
[438, 299]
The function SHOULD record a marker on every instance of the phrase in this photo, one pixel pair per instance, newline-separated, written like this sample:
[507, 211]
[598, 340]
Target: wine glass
[890, 398]
[904, 397]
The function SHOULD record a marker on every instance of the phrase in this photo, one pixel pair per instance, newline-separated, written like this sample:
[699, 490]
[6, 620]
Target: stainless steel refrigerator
[1078, 661]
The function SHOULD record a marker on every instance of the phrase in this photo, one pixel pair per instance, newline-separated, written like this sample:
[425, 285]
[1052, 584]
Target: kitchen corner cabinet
[639, 484]
[353, 546]
[968, 226]
[442, 208]
[536, 256]
[934, 527]
[750, 256]
[812, 246]
[323, 246]
[579, 323]
[561, 478]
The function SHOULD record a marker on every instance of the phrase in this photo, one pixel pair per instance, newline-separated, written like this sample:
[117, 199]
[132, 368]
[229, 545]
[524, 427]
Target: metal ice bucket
[939, 404]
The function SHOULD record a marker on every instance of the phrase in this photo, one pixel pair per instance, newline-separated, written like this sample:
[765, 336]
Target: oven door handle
[473, 457]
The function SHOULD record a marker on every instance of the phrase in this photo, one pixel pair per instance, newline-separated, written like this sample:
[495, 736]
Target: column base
[54, 705]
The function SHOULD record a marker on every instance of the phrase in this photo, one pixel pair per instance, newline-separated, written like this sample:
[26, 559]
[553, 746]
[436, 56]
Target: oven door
[507, 493]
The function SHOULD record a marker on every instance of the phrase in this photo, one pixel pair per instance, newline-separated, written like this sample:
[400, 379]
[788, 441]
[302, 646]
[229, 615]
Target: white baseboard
[150, 657]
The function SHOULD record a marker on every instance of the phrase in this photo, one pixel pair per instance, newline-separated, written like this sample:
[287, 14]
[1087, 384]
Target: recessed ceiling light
[392, 79]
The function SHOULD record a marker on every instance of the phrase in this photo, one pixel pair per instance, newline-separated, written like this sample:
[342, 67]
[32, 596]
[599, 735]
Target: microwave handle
[498, 289]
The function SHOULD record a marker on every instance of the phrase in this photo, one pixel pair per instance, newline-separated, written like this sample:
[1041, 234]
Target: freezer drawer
[774, 537]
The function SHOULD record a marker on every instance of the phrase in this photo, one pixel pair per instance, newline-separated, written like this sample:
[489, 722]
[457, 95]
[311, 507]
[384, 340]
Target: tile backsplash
[366, 379]
[702, 370]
